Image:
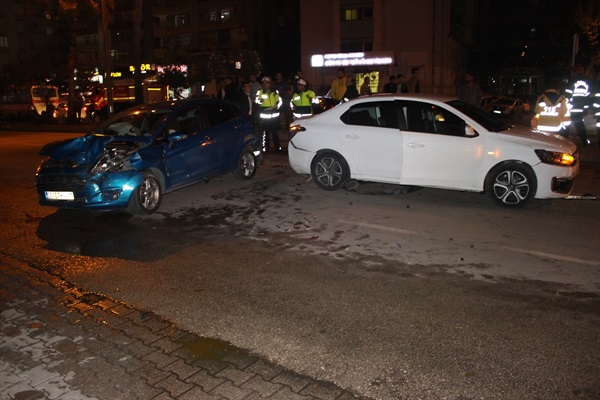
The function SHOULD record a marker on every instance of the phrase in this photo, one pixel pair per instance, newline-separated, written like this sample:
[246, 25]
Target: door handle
[352, 137]
[415, 145]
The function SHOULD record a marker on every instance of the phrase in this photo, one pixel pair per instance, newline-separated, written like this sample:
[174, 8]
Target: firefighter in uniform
[269, 103]
[579, 101]
[302, 100]
[596, 110]
[551, 112]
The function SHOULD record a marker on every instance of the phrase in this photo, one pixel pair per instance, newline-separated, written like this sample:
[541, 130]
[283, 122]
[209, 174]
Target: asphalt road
[424, 294]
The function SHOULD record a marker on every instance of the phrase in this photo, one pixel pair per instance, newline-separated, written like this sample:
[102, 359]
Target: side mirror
[470, 132]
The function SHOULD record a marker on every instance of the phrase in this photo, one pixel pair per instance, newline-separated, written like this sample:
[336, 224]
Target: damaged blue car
[130, 161]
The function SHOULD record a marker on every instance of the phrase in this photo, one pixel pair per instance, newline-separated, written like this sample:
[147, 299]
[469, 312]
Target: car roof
[177, 103]
[406, 96]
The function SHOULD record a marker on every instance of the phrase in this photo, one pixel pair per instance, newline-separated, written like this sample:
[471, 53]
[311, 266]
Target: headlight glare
[556, 158]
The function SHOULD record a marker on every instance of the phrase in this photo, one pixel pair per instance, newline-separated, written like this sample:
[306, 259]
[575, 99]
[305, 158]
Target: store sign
[351, 59]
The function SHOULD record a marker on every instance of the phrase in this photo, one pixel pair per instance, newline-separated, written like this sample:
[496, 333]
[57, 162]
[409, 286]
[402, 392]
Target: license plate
[60, 196]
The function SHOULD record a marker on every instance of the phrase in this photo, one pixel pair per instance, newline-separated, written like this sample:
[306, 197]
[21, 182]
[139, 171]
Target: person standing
[269, 103]
[365, 88]
[414, 83]
[339, 86]
[282, 87]
[579, 97]
[470, 91]
[351, 91]
[401, 86]
[245, 100]
[551, 111]
[256, 86]
[302, 100]
[391, 86]
[596, 107]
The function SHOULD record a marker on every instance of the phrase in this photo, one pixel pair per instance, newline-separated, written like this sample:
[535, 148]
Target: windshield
[133, 123]
[488, 121]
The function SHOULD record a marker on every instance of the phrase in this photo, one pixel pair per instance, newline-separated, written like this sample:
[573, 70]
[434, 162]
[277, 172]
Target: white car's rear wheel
[329, 170]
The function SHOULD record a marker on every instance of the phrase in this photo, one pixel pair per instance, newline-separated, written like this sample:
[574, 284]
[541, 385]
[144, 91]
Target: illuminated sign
[352, 59]
[143, 68]
[116, 74]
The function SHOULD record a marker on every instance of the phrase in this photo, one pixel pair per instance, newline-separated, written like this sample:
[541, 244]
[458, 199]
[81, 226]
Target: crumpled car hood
[535, 138]
[87, 149]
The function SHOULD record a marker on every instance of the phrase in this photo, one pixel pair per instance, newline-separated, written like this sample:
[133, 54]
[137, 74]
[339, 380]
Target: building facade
[432, 35]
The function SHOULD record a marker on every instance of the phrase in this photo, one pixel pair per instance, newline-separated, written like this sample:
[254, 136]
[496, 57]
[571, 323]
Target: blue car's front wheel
[147, 196]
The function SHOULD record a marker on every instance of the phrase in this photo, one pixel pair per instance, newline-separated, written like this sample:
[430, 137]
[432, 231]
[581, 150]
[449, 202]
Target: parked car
[509, 107]
[62, 111]
[131, 160]
[431, 141]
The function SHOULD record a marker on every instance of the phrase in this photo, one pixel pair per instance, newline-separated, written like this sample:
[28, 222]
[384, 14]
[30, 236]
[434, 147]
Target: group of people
[561, 112]
[344, 88]
[271, 102]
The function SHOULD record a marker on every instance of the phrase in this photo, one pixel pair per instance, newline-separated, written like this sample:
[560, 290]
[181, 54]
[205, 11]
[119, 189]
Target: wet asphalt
[59, 342]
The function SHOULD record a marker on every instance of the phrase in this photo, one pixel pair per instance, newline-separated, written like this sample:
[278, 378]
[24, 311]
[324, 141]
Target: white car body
[399, 155]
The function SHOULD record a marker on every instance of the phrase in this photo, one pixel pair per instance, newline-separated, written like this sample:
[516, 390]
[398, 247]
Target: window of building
[225, 15]
[3, 41]
[224, 36]
[350, 15]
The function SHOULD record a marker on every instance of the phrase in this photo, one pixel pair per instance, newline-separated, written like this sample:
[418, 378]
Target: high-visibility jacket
[579, 95]
[301, 103]
[596, 105]
[269, 102]
[551, 112]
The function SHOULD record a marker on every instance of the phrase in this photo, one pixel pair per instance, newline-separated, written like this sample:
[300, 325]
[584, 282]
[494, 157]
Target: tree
[587, 19]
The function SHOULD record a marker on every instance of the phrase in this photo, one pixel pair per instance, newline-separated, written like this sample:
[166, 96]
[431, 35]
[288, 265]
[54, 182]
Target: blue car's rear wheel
[246, 167]
[147, 196]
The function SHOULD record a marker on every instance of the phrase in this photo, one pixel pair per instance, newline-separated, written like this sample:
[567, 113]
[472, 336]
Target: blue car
[130, 161]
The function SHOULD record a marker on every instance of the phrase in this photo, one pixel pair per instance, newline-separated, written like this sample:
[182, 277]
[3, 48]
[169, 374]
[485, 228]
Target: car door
[187, 156]
[372, 142]
[224, 135]
[437, 151]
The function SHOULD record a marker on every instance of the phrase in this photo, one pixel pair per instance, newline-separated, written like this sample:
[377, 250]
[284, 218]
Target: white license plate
[60, 196]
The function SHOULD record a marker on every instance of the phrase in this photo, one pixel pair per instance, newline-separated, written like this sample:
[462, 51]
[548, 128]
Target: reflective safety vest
[579, 95]
[551, 116]
[301, 103]
[269, 103]
[596, 105]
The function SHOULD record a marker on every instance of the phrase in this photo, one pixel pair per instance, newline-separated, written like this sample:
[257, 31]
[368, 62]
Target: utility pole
[107, 59]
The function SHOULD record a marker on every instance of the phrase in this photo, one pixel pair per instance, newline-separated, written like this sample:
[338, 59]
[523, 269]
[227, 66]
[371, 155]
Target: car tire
[329, 170]
[246, 165]
[146, 198]
[511, 184]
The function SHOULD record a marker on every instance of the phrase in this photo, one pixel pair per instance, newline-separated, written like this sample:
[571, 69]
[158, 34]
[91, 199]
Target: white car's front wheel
[511, 184]
[329, 170]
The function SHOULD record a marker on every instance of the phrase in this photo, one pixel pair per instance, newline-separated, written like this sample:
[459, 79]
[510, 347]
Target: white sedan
[431, 141]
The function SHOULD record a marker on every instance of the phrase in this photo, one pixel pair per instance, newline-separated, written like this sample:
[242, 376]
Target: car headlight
[113, 159]
[295, 129]
[556, 158]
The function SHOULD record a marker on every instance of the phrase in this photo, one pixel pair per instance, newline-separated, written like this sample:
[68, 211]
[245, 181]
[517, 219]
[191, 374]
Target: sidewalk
[61, 343]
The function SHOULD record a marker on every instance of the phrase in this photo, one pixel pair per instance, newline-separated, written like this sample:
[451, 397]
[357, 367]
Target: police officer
[551, 111]
[302, 100]
[579, 94]
[269, 102]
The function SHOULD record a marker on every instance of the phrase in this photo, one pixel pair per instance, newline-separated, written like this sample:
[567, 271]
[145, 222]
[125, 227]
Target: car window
[219, 113]
[429, 118]
[134, 124]
[187, 122]
[380, 114]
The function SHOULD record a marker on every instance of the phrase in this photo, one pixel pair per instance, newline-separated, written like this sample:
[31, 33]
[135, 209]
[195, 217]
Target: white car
[431, 141]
